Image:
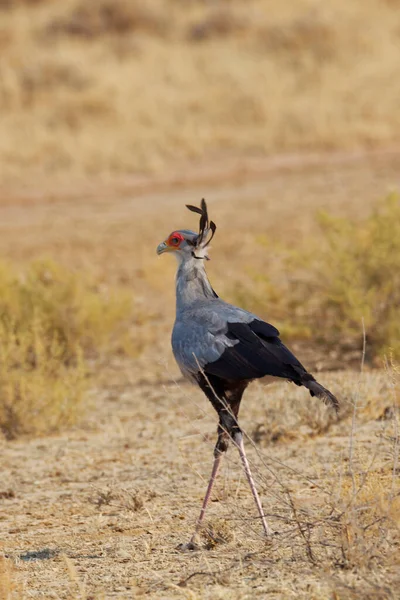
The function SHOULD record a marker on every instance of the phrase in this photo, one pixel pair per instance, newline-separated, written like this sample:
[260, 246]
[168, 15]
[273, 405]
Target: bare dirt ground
[98, 512]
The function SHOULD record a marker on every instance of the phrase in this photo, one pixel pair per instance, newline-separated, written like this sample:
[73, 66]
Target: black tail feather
[316, 389]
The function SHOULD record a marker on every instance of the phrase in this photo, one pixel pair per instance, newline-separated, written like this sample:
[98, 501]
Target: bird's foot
[270, 537]
[191, 546]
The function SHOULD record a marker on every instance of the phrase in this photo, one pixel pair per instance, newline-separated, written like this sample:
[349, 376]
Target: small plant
[51, 322]
[217, 533]
[129, 500]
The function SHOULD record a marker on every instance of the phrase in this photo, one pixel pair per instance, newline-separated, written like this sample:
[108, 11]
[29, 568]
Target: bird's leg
[214, 472]
[192, 545]
[220, 447]
[238, 441]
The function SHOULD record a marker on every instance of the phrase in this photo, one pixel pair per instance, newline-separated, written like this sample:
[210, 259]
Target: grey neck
[192, 283]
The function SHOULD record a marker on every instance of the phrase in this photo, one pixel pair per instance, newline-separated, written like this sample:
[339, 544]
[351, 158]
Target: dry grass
[112, 235]
[10, 589]
[52, 322]
[121, 504]
[61, 327]
[119, 87]
[98, 510]
[352, 269]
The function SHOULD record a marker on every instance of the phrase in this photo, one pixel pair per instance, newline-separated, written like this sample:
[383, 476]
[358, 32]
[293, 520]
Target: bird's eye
[174, 240]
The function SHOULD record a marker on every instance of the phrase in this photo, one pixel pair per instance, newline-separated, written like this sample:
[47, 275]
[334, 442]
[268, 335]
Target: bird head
[188, 244]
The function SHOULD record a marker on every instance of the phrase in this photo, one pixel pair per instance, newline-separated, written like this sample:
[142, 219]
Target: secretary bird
[222, 348]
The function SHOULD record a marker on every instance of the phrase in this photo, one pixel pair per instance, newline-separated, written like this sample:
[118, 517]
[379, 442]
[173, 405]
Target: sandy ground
[98, 512]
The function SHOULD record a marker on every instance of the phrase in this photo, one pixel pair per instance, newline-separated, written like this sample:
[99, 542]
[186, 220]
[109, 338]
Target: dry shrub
[48, 76]
[309, 35]
[218, 23]
[92, 19]
[289, 413]
[9, 588]
[74, 310]
[357, 276]
[366, 526]
[356, 531]
[348, 275]
[35, 83]
[394, 373]
[11, 4]
[289, 417]
[51, 322]
[39, 392]
[348, 522]
[219, 532]
[134, 500]
[367, 500]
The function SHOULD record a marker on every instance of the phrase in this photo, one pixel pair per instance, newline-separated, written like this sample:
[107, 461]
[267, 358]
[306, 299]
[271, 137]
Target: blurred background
[116, 113]
[123, 86]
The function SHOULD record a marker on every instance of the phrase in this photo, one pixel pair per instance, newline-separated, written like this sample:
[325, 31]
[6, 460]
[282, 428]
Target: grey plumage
[221, 347]
[201, 334]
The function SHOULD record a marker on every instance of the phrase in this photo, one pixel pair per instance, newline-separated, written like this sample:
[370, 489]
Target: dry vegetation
[111, 86]
[105, 451]
[96, 512]
[121, 499]
[353, 270]
[51, 323]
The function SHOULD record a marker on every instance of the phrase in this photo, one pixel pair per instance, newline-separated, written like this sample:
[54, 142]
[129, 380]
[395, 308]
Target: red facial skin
[175, 239]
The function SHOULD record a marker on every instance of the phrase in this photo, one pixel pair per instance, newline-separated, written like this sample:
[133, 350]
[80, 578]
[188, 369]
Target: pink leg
[238, 441]
[213, 477]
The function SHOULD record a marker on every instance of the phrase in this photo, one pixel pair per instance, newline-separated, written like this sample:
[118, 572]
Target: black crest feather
[204, 225]
[194, 208]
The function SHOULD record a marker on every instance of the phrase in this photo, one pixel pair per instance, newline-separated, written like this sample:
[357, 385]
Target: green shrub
[51, 322]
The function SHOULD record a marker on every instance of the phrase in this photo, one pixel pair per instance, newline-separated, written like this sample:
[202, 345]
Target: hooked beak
[162, 248]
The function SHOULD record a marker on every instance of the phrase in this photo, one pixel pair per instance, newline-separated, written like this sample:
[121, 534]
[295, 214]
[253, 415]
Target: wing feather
[258, 351]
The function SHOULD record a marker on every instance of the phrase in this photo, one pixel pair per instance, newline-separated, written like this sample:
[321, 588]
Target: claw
[189, 547]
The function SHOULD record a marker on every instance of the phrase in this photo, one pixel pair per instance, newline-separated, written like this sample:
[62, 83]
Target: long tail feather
[316, 389]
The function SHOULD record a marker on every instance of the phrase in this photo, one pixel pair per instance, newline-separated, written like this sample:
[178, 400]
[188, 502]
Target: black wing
[259, 352]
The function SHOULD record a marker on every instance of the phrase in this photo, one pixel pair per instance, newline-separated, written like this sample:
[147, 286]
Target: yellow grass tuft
[10, 589]
[51, 322]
